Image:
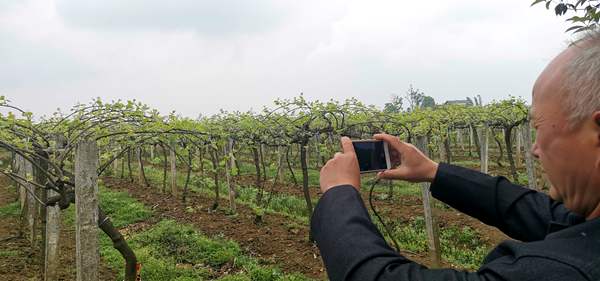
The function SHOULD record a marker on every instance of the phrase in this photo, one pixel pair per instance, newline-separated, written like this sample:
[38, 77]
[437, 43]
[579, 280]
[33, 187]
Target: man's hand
[414, 165]
[341, 169]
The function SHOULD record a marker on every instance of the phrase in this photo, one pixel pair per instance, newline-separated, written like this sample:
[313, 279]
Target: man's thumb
[347, 146]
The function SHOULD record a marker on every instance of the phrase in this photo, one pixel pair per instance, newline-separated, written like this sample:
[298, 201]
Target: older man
[559, 235]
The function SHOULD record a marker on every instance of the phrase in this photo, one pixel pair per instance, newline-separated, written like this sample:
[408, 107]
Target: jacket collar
[585, 228]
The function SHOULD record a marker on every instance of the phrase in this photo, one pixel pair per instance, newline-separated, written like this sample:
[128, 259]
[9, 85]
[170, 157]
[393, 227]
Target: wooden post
[430, 221]
[51, 261]
[173, 159]
[228, 167]
[86, 211]
[529, 164]
[483, 142]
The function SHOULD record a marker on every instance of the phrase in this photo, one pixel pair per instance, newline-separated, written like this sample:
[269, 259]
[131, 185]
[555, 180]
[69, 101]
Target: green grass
[399, 188]
[287, 205]
[461, 246]
[9, 253]
[467, 163]
[121, 208]
[10, 210]
[247, 168]
[174, 251]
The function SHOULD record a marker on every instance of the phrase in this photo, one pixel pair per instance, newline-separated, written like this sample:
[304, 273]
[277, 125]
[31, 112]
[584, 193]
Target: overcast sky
[197, 56]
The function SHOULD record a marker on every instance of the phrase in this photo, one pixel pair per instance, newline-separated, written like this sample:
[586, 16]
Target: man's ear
[596, 117]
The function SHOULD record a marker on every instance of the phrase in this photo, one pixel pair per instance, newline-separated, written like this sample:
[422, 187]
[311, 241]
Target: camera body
[373, 155]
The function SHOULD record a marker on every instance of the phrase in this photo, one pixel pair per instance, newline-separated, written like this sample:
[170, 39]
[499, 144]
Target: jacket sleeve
[353, 249]
[521, 213]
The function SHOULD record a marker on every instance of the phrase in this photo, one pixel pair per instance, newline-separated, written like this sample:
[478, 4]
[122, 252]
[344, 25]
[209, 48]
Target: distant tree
[469, 101]
[478, 100]
[584, 14]
[428, 102]
[414, 98]
[394, 106]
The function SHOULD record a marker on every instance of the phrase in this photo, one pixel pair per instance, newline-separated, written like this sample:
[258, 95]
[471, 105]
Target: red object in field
[138, 272]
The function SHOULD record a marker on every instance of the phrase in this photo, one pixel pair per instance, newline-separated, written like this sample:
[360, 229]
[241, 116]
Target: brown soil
[20, 261]
[275, 240]
[279, 241]
[404, 208]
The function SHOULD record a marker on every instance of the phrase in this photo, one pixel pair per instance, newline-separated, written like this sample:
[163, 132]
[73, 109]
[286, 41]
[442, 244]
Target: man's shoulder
[552, 259]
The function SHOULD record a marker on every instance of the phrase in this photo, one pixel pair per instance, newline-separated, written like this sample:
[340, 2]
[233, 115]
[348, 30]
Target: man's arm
[353, 249]
[521, 213]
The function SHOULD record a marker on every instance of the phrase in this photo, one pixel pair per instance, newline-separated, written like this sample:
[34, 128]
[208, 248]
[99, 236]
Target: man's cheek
[554, 194]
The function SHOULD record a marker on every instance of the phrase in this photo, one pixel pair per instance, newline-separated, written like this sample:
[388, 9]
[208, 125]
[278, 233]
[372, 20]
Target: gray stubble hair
[583, 78]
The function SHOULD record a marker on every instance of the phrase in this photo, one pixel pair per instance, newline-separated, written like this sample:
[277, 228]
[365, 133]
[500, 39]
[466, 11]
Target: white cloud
[200, 56]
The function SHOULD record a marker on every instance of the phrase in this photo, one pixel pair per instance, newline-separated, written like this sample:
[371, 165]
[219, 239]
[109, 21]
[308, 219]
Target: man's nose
[534, 150]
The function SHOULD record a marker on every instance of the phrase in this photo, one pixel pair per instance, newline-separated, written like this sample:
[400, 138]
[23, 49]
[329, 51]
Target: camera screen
[371, 155]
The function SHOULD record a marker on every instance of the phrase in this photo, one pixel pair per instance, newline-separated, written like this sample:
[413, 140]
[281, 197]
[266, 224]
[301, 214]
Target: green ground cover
[174, 251]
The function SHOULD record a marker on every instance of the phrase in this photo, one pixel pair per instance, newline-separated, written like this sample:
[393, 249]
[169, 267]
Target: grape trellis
[56, 160]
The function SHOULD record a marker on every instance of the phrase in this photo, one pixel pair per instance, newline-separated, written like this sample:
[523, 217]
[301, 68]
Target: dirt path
[402, 207]
[277, 240]
[19, 261]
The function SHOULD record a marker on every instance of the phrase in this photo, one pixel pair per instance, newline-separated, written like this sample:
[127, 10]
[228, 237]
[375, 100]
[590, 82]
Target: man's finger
[393, 174]
[347, 146]
[392, 140]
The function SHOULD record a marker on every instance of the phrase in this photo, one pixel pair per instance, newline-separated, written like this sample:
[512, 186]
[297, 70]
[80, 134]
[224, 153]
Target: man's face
[567, 154]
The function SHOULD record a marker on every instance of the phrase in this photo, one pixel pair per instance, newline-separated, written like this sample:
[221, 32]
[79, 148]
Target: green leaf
[574, 28]
[537, 2]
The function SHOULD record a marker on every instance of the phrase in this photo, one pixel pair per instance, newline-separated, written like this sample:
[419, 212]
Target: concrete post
[31, 204]
[483, 143]
[51, 261]
[229, 166]
[529, 163]
[173, 159]
[86, 213]
[430, 221]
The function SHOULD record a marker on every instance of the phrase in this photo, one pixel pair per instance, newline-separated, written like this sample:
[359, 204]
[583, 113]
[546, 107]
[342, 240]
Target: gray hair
[583, 78]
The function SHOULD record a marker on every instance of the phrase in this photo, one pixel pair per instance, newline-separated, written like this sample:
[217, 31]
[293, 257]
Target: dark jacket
[557, 245]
